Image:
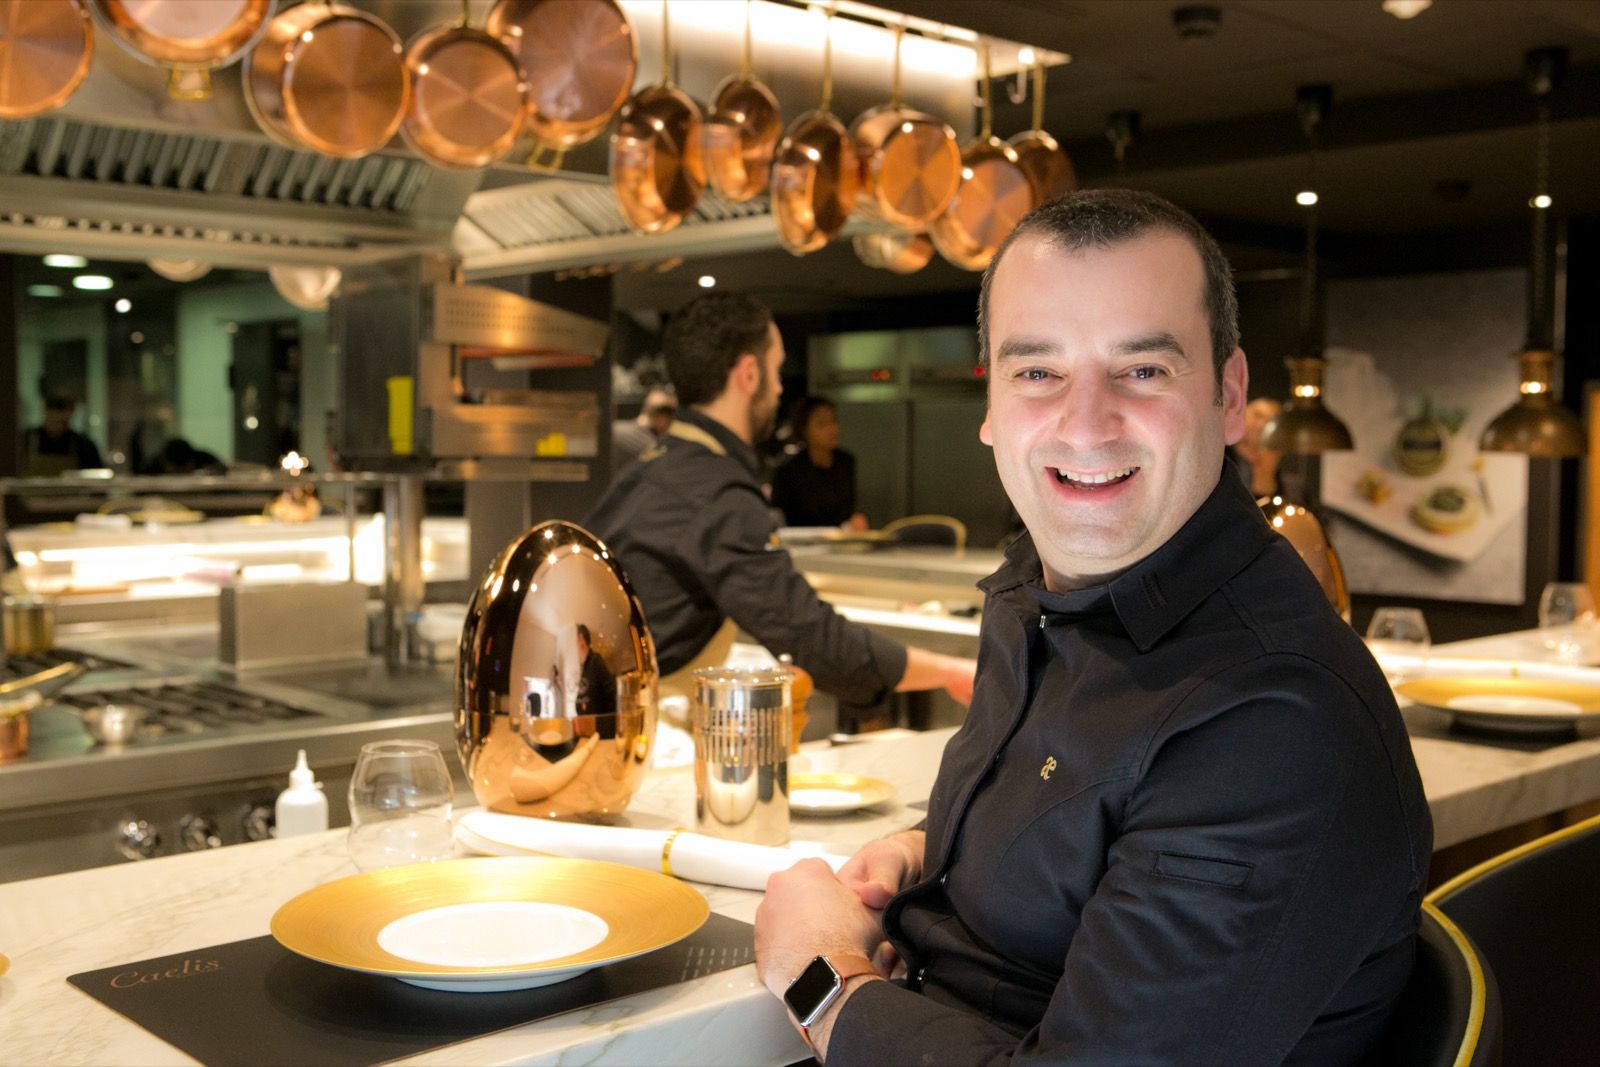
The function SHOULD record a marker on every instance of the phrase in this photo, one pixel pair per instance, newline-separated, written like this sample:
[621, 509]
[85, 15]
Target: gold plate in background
[1493, 702]
[339, 923]
[5, 965]
[855, 791]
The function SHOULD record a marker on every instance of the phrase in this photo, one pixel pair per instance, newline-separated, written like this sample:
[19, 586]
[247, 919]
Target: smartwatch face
[811, 989]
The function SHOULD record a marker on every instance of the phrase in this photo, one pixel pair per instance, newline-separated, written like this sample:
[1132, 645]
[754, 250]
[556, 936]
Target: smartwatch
[816, 988]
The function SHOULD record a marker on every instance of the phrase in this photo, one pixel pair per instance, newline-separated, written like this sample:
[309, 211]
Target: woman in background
[817, 485]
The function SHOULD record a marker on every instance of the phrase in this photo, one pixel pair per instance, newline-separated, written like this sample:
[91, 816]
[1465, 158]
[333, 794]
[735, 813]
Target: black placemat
[253, 1002]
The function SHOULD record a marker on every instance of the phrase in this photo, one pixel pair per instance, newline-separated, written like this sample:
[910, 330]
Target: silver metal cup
[742, 720]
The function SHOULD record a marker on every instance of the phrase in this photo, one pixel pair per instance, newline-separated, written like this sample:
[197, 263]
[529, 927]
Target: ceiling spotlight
[1025, 57]
[123, 306]
[136, 337]
[69, 262]
[93, 282]
[1306, 197]
[1406, 9]
[707, 281]
[1541, 201]
[45, 290]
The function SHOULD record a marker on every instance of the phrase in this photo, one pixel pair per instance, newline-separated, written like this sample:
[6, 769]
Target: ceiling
[1432, 127]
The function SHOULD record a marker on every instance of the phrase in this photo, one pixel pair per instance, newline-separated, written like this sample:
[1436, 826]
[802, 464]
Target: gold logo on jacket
[1048, 768]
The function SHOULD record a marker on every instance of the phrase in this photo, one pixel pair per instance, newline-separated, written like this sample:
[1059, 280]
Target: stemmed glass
[400, 798]
[1397, 631]
[1569, 608]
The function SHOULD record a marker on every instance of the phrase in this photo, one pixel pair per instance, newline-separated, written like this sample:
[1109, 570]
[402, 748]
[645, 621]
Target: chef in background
[817, 485]
[54, 447]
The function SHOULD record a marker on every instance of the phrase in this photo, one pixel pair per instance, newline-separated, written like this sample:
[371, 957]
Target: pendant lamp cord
[1541, 335]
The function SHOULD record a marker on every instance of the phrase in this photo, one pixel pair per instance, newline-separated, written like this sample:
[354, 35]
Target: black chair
[928, 530]
[1534, 912]
[1449, 1015]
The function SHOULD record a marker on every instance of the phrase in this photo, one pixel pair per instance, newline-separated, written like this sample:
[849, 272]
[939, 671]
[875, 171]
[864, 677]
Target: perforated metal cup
[742, 721]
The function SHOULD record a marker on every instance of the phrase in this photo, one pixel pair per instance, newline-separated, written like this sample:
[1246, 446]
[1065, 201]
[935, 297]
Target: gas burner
[21, 666]
[191, 707]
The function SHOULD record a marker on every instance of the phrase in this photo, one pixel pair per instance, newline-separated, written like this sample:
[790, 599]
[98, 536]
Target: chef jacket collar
[731, 443]
[1155, 594]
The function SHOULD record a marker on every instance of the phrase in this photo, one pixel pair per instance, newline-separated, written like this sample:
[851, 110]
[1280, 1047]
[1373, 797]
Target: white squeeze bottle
[301, 809]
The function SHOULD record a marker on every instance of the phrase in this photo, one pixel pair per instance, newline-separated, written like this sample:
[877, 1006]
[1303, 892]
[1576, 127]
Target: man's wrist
[821, 1031]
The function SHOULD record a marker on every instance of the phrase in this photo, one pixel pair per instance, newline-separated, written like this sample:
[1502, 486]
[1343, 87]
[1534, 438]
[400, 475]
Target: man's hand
[806, 913]
[884, 867]
[933, 670]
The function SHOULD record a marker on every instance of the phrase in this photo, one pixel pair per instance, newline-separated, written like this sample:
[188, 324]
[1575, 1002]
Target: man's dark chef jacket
[693, 532]
[1180, 825]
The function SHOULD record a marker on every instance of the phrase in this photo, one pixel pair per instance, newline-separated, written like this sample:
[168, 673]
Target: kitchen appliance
[541, 729]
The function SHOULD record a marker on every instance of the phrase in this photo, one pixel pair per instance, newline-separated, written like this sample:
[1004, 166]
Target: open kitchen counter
[215, 750]
[52, 928]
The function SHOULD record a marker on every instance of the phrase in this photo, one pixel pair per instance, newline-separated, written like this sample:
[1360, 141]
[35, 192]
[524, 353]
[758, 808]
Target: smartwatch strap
[846, 967]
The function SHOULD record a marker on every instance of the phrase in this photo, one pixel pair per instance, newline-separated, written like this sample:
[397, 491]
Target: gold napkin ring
[666, 852]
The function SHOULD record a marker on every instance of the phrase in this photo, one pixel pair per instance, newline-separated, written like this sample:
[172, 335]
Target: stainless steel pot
[30, 624]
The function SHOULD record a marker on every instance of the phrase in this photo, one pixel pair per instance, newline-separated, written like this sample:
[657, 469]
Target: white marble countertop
[55, 927]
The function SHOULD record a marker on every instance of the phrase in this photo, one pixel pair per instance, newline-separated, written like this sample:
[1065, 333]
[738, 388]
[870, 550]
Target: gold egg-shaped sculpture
[556, 681]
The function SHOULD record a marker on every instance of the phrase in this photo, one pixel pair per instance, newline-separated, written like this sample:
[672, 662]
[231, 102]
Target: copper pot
[657, 169]
[910, 162]
[816, 173]
[742, 128]
[994, 196]
[48, 45]
[468, 96]
[742, 132]
[1047, 165]
[899, 251]
[189, 37]
[329, 78]
[580, 58]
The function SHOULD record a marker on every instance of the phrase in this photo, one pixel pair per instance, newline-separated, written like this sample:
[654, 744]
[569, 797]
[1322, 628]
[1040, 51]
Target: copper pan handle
[1038, 94]
[988, 100]
[546, 157]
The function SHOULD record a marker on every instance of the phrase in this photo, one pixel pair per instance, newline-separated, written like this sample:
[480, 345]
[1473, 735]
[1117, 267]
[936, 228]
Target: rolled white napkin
[694, 857]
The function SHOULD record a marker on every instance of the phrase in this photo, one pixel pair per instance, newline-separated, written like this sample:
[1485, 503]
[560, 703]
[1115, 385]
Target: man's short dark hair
[583, 632]
[1099, 218]
[60, 402]
[807, 407]
[706, 338]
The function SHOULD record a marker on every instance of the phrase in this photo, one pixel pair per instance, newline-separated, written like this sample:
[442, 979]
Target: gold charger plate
[489, 924]
[5, 965]
[812, 793]
[1509, 704]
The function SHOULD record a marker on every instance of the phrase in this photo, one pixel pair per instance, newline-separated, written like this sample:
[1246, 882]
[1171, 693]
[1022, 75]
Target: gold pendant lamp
[1538, 424]
[1304, 426]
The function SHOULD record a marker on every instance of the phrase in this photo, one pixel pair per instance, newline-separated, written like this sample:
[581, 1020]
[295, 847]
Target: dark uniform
[1182, 824]
[692, 530]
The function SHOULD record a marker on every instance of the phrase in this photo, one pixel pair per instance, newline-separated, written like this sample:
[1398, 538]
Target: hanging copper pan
[899, 251]
[657, 170]
[580, 58]
[329, 78]
[1047, 165]
[468, 96]
[742, 129]
[45, 50]
[994, 196]
[191, 38]
[816, 173]
[910, 162]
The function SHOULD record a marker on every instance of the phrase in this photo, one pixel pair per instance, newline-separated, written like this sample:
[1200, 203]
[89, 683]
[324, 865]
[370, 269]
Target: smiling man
[1181, 823]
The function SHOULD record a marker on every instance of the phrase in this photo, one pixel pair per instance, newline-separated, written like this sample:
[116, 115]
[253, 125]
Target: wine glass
[1397, 632]
[400, 798]
[1565, 609]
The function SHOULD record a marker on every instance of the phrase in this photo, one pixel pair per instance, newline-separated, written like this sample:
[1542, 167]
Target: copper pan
[743, 128]
[1047, 165]
[45, 50]
[899, 251]
[329, 78]
[994, 196]
[910, 162]
[816, 173]
[468, 96]
[657, 170]
[189, 37]
[580, 58]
